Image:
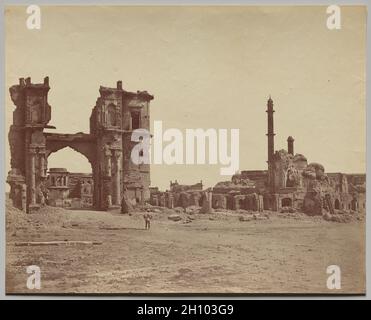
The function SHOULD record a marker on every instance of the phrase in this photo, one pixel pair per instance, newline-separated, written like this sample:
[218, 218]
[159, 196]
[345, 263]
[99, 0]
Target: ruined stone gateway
[107, 146]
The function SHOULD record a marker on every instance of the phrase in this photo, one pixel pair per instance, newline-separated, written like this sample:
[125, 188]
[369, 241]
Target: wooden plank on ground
[55, 243]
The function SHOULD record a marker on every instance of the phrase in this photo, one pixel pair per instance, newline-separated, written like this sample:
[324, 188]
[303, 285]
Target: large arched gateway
[107, 146]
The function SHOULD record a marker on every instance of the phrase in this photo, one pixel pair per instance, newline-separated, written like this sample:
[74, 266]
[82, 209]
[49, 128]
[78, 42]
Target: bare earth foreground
[213, 253]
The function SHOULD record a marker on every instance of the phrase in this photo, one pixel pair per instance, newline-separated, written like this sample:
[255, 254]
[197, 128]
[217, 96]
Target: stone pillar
[235, 203]
[32, 176]
[223, 201]
[109, 200]
[42, 165]
[117, 180]
[108, 166]
[107, 192]
[142, 196]
[277, 206]
[155, 200]
[162, 200]
[171, 201]
[207, 202]
[24, 197]
[261, 203]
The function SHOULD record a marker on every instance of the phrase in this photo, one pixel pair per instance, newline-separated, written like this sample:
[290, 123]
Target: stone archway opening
[69, 182]
[241, 204]
[69, 158]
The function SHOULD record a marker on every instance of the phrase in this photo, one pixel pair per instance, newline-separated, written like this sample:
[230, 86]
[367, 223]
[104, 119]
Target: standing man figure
[147, 221]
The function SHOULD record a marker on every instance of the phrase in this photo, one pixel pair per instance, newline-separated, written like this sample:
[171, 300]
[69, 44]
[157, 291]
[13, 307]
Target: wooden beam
[55, 243]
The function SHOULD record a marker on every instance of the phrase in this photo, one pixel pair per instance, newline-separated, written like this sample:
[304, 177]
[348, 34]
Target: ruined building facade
[107, 146]
[293, 183]
[289, 183]
[178, 195]
[69, 189]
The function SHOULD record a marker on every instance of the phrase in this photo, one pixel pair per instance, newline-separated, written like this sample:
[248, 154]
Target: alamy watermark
[334, 278]
[333, 21]
[172, 146]
[34, 280]
[33, 20]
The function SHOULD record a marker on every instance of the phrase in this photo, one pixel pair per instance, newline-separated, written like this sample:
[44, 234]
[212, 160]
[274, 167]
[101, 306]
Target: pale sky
[208, 67]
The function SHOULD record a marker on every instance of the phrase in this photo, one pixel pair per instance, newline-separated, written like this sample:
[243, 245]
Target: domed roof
[299, 157]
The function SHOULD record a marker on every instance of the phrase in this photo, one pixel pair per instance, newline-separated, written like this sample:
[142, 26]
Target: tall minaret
[290, 145]
[270, 136]
[270, 133]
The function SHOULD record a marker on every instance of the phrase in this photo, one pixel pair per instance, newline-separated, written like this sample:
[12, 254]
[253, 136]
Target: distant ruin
[107, 146]
[289, 183]
[68, 189]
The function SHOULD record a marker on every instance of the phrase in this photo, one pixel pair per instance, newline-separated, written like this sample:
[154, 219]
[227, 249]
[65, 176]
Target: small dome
[299, 157]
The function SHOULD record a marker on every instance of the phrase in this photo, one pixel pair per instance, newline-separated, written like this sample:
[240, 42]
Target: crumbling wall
[320, 195]
[287, 170]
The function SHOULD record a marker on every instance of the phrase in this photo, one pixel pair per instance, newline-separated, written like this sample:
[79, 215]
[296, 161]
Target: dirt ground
[202, 253]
